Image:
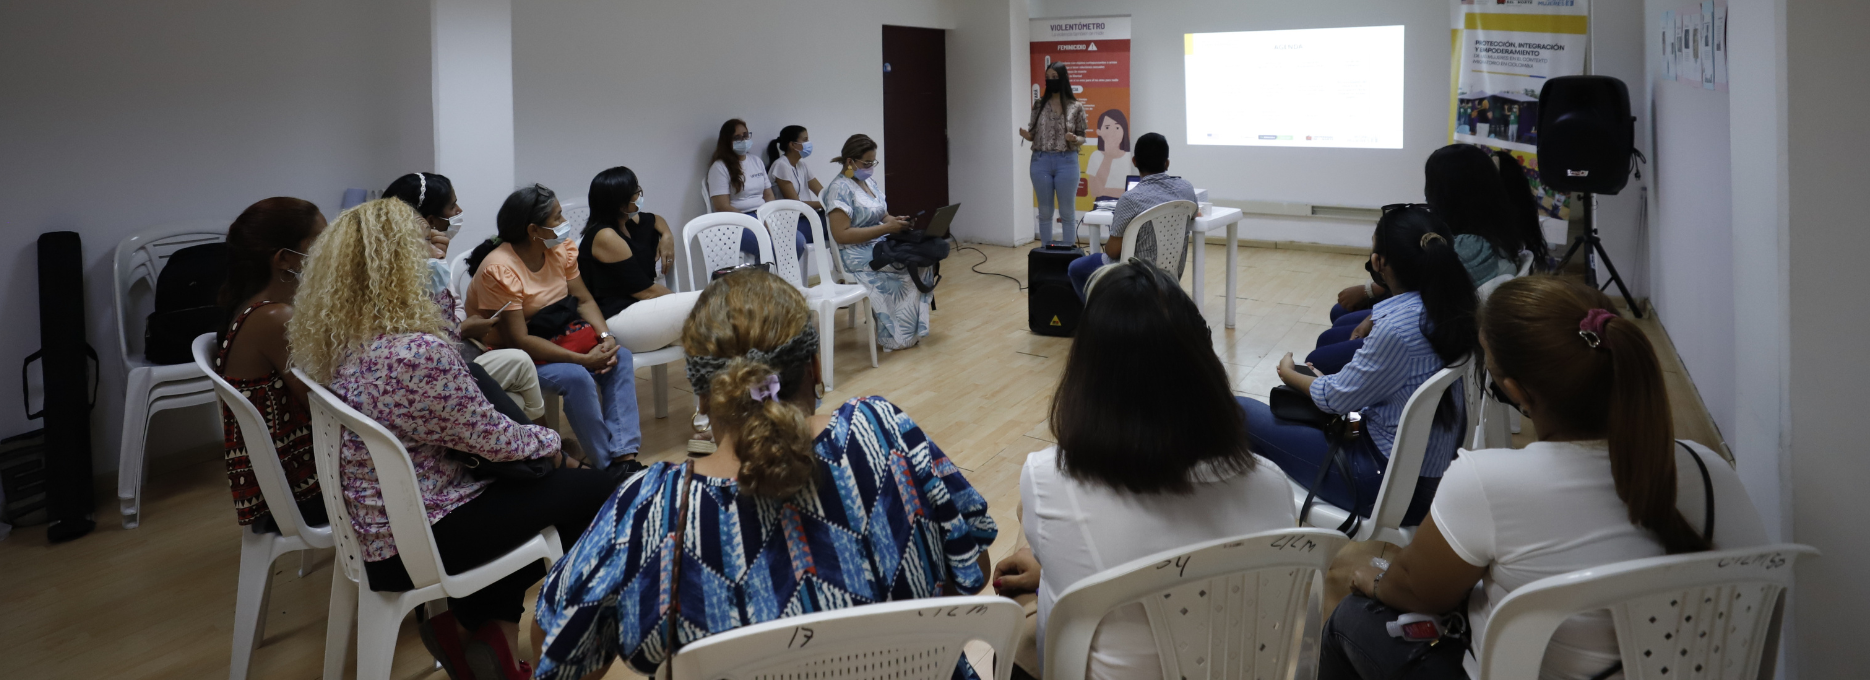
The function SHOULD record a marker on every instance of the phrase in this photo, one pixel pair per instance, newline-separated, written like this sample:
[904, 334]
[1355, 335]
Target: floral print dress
[902, 311]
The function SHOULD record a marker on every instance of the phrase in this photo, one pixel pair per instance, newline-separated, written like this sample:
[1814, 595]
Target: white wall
[473, 102]
[986, 100]
[124, 115]
[647, 85]
[1830, 318]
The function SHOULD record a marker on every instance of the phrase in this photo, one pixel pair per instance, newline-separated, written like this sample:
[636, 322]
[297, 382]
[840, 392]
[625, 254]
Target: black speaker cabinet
[1586, 134]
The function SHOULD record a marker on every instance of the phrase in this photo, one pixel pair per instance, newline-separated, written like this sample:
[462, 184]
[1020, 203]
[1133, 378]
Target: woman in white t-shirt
[793, 178]
[1599, 487]
[737, 181]
[1151, 456]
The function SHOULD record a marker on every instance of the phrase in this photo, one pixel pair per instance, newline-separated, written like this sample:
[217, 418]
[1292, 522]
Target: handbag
[479, 467]
[675, 574]
[561, 323]
[1292, 405]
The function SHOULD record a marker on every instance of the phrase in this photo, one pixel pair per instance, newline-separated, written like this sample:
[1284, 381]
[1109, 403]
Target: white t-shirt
[801, 177]
[1077, 530]
[752, 192]
[1119, 177]
[1552, 508]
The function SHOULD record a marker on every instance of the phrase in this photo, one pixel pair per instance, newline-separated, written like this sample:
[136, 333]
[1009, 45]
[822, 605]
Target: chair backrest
[332, 420]
[458, 281]
[904, 640]
[576, 214]
[1228, 609]
[1698, 615]
[1406, 455]
[824, 250]
[782, 225]
[140, 258]
[713, 242]
[262, 458]
[1170, 223]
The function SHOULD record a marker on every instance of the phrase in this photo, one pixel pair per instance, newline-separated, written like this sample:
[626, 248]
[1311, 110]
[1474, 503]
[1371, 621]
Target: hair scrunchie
[1592, 327]
[800, 349]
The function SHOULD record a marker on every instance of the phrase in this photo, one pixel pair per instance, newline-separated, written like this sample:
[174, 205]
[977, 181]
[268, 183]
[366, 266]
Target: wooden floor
[157, 601]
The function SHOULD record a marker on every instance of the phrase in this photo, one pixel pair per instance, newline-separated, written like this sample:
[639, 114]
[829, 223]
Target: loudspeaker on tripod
[1587, 136]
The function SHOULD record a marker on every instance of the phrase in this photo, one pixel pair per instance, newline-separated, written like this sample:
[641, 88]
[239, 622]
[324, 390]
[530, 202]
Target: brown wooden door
[915, 119]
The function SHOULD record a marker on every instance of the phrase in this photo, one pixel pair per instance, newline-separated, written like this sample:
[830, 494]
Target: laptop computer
[1130, 182]
[944, 218]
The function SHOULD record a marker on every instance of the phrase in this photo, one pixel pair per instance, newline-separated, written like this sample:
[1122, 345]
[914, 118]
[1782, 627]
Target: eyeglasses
[868, 164]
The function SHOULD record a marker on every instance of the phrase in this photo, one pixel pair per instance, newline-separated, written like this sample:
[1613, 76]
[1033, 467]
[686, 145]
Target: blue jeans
[1299, 450]
[1055, 177]
[751, 246]
[600, 406]
[1081, 270]
[1335, 347]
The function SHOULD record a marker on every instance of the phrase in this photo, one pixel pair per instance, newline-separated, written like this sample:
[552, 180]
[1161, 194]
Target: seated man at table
[1151, 157]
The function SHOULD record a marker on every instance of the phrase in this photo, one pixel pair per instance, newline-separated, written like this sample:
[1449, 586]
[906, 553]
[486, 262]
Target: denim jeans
[1055, 178]
[1081, 269]
[1335, 348]
[750, 245]
[600, 406]
[1300, 450]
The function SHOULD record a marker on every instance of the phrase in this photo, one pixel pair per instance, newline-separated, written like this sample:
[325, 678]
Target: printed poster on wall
[1504, 52]
[1694, 45]
[1096, 53]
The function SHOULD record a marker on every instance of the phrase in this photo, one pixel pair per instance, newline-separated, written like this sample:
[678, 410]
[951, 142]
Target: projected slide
[1324, 87]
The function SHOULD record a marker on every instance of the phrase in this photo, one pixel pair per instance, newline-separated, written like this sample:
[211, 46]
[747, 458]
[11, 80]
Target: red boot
[442, 636]
[490, 656]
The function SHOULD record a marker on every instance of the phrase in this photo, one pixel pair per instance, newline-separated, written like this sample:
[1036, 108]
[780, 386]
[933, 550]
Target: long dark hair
[724, 152]
[1419, 250]
[777, 148]
[1524, 207]
[1060, 86]
[611, 190]
[1463, 187]
[1178, 409]
[261, 231]
[1113, 114]
[1614, 390]
[524, 207]
[427, 192]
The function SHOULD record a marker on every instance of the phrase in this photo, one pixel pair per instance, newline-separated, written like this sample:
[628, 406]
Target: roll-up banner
[1096, 52]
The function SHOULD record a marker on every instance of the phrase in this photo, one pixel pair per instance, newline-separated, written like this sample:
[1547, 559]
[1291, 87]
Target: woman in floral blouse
[366, 328]
[1056, 130]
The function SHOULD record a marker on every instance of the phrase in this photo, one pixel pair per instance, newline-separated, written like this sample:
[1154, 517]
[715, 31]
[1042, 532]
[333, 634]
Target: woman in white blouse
[1151, 456]
[737, 181]
[793, 178]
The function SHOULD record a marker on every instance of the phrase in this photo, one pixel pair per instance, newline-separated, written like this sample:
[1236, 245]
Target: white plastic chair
[905, 640]
[1399, 477]
[378, 615]
[781, 219]
[1699, 615]
[150, 388]
[1170, 223]
[1493, 423]
[258, 550]
[713, 242]
[576, 214]
[1228, 609]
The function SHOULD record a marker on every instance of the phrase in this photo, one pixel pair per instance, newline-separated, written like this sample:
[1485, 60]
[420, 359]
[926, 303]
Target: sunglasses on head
[1404, 206]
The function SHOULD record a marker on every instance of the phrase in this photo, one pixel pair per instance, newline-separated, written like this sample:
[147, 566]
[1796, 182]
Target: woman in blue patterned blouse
[795, 512]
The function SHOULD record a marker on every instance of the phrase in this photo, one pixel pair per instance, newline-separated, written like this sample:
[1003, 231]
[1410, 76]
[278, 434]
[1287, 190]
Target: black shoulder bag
[1290, 404]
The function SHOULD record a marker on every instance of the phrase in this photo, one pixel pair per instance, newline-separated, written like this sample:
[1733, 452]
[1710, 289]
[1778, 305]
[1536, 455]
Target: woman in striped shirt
[1427, 325]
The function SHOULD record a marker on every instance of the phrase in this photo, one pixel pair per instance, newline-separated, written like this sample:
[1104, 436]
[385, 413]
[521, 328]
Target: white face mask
[559, 234]
[743, 146]
[454, 225]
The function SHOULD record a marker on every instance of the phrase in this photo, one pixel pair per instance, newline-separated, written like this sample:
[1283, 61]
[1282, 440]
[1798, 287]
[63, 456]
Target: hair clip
[1592, 327]
[1431, 236]
[422, 193]
[766, 390]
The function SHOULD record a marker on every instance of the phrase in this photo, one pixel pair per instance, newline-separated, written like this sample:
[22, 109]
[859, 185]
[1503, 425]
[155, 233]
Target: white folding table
[1217, 217]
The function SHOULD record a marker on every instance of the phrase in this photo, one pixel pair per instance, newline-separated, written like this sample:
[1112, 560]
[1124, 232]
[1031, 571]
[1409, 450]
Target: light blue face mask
[805, 149]
[863, 174]
[438, 276]
[742, 146]
[559, 234]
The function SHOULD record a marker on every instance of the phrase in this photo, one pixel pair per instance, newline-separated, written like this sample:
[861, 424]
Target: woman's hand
[1018, 574]
[1363, 329]
[1352, 298]
[1023, 134]
[1073, 138]
[1291, 377]
[438, 244]
[601, 358]
[665, 251]
[895, 224]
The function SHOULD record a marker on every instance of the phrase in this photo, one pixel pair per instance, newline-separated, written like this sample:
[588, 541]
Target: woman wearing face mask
[793, 178]
[266, 249]
[859, 217]
[618, 255]
[1056, 130]
[737, 181]
[530, 266]
[507, 372]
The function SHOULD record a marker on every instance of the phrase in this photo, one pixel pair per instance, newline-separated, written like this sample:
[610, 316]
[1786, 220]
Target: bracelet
[1376, 582]
[1368, 293]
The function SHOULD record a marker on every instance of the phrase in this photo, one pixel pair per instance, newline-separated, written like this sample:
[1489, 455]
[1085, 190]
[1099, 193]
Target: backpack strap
[1707, 490]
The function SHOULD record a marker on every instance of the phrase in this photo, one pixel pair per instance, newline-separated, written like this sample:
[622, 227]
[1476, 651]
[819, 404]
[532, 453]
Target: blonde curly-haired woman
[367, 329]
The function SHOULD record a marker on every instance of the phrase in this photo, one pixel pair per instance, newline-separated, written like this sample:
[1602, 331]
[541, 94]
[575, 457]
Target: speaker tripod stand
[1590, 239]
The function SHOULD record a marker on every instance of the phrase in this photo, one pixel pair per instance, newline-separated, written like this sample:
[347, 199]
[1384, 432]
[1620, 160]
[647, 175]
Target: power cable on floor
[983, 260]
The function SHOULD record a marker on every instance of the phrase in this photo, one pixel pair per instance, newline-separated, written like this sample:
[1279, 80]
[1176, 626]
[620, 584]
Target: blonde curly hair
[365, 276]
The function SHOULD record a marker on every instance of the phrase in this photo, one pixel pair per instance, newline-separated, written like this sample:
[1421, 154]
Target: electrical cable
[983, 260]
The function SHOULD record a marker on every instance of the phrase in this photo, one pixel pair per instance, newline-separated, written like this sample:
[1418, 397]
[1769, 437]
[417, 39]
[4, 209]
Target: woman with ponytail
[1426, 326]
[1600, 486]
[765, 523]
[793, 178]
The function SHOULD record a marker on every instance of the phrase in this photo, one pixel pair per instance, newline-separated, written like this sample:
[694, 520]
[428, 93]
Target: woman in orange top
[524, 276]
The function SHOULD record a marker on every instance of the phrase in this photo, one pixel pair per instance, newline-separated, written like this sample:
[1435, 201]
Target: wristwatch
[604, 336]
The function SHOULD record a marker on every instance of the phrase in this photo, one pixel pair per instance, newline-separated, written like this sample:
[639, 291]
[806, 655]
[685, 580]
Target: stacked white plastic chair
[1229, 609]
[1399, 477]
[1170, 224]
[781, 219]
[150, 388]
[378, 615]
[1492, 423]
[258, 550]
[905, 640]
[1696, 615]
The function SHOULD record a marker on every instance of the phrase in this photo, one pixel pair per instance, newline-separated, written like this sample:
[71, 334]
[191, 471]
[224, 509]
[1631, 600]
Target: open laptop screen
[1130, 182]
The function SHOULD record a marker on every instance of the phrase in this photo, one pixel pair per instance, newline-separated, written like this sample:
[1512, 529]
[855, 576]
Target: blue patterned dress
[887, 518]
[902, 312]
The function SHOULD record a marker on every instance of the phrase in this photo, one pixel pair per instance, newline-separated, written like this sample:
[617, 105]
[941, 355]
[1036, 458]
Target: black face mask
[1374, 276]
[1499, 395]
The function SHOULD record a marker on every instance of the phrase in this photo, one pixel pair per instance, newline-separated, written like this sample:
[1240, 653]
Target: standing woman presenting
[1056, 130]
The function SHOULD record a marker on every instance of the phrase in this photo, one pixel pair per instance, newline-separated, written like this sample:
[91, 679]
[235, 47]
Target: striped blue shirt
[1395, 360]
